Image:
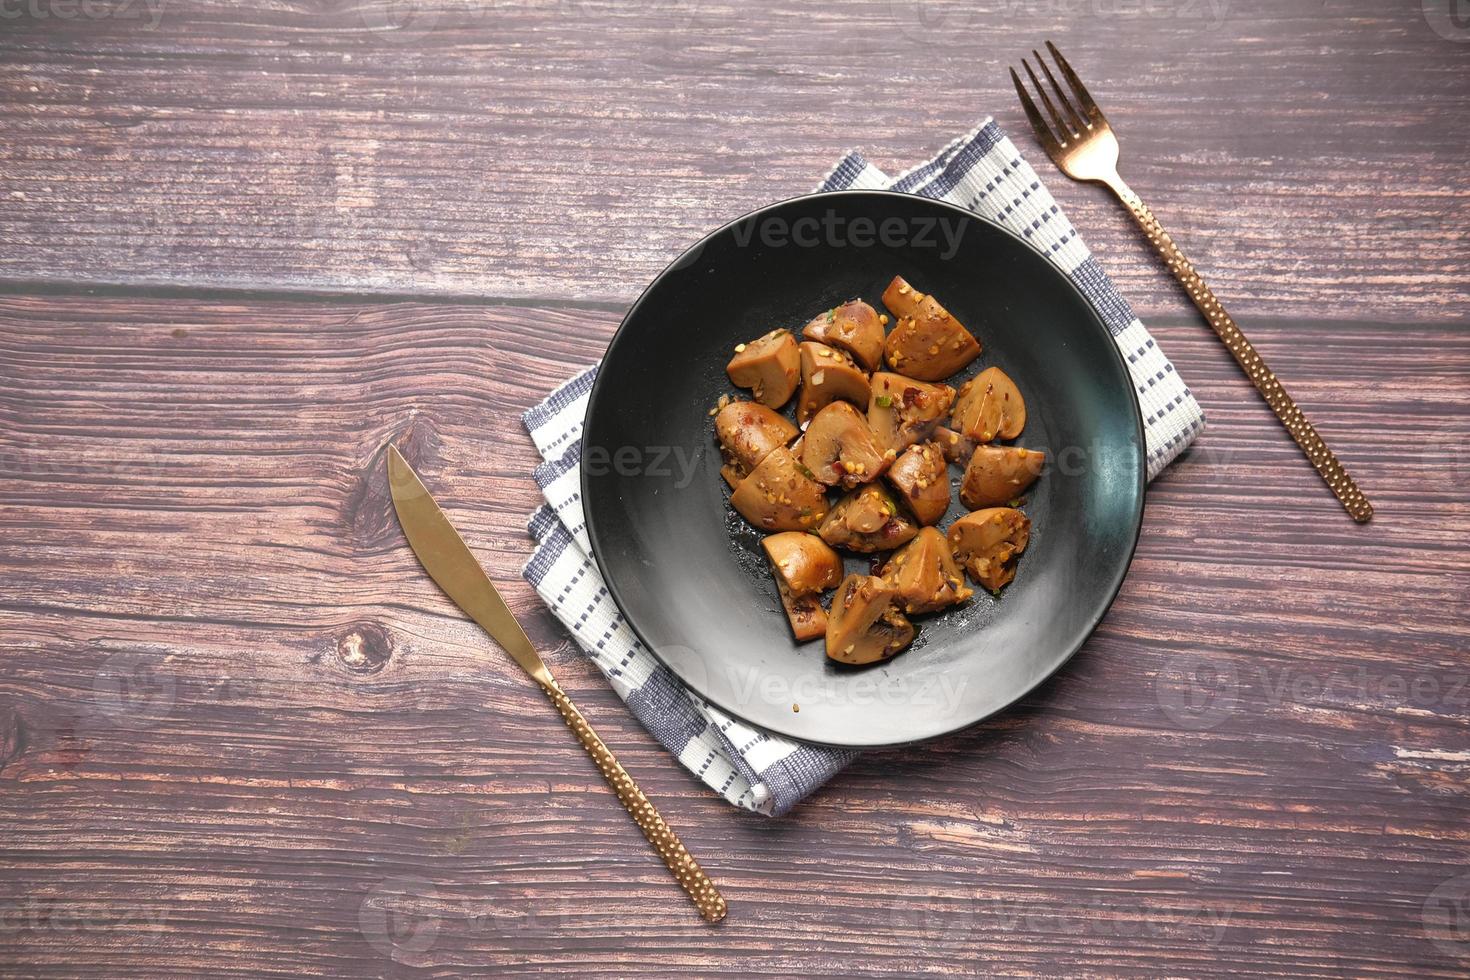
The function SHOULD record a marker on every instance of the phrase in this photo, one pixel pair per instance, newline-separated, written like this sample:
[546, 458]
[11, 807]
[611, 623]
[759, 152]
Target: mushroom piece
[922, 476]
[999, 474]
[747, 432]
[804, 566]
[867, 520]
[868, 511]
[927, 342]
[958, 449]
[838, 448]
[987, 543]
[780, 494]
[854, 327]
[769, 367]
[828, 375]
[925, 574]
[865, 625]
[902, 411]
[989, 407]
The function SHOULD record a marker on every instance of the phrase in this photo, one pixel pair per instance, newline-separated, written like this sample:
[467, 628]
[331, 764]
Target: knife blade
[449, 562]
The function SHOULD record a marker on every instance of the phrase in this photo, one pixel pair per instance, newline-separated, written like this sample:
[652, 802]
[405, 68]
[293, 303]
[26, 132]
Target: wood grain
[1310, 157]
[242, 735]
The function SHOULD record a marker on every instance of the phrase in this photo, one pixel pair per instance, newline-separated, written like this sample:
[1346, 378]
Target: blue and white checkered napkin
[751, 768]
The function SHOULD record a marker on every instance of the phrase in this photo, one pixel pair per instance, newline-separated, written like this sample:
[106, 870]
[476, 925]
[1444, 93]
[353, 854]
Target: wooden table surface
[244, 246]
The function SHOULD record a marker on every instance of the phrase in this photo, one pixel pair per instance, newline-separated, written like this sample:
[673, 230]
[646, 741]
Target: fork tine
[1081, 124]
[1043, 132]
[1089, 106]
[1056, 117]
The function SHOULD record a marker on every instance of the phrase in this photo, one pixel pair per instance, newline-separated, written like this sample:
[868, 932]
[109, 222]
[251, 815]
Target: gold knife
[448, 561]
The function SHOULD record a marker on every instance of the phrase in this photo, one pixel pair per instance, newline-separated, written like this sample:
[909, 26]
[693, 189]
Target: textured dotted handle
[1250, 362]
[686, 870]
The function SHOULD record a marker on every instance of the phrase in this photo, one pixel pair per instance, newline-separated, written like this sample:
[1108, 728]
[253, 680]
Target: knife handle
[681, 863]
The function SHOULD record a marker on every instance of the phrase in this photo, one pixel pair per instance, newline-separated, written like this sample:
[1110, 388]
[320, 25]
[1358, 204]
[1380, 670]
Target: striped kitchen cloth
[981, 171]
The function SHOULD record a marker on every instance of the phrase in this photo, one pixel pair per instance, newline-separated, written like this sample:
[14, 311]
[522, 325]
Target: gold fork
[1082, 144]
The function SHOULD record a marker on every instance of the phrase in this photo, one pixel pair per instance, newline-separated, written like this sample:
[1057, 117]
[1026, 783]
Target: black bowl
[689, 574]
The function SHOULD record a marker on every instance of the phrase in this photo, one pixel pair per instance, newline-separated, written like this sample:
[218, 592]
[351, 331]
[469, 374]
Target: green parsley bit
[885, 401]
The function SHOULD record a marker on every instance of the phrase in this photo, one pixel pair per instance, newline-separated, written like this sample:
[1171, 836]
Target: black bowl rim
[1139, 435]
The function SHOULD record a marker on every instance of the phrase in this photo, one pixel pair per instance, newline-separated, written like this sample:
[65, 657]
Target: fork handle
[681, 863]
[1250, 362]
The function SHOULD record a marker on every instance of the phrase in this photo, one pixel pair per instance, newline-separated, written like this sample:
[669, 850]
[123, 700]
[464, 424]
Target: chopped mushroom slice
[838, 448]
[747, 432]
[922, 476]
[769, 367]
[957, 448]
[854, 327]
[987, 543]
[868, 511]
[804, 566]
[780, 494]
[902, 411]
[865, 624]
[989, 407]
[927, 342]
[867, 520]
[805, 613]
[999, 474]
[925, 574]
[803, 562]
[827, 375]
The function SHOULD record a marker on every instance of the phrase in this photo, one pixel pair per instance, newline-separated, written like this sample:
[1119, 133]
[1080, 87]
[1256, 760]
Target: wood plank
[1310, 160]
[241, 735]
